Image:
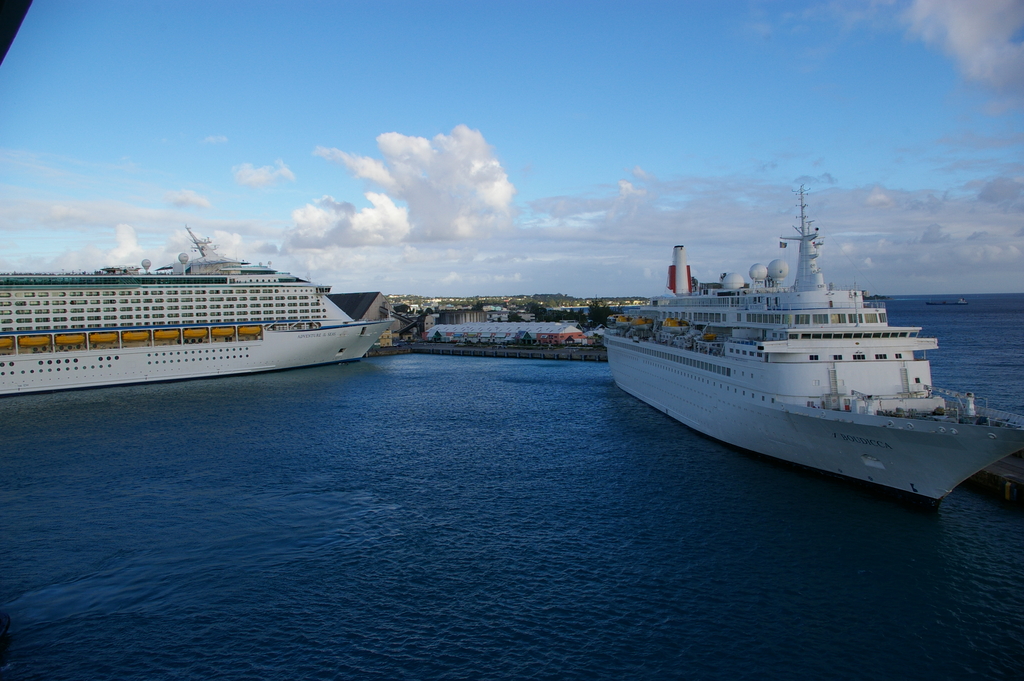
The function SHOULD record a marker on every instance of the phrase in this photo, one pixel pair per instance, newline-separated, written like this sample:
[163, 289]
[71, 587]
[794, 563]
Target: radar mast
[204, 246]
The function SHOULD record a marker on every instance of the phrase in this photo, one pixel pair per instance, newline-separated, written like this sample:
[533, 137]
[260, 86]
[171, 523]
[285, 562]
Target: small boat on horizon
[960, 301]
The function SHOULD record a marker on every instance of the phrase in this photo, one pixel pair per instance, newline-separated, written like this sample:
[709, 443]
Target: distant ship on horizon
[961, 301]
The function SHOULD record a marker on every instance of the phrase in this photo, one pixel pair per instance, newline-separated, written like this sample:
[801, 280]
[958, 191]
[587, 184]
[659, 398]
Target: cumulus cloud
[453, 185]
[879, 199]
[934, 234]
[127, 243]
[215, 139]
[983, 36]
[328, 222]
[249, 176]
[1001, 189]
[186, 198]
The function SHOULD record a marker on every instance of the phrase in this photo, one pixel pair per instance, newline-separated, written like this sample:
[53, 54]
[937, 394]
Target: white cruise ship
[808, 374]
[210, 317]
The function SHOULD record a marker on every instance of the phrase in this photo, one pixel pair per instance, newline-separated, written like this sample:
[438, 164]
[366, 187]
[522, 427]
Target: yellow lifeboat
[33, 341]
[249, 330]
[223, 332]
[166, 334]
[642, 323]
[710, 336]
[70, 339]
[134, 336]
[103, 337]
[195, 333]
[6, 342]
[672, 326]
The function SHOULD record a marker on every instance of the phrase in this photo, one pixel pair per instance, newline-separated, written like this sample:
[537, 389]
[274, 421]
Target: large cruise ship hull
[124, 365]
[917, 460]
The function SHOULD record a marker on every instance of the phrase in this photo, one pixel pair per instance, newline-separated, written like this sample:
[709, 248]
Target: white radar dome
[183, 258]
[758, 272]
[733, 281]
[778, 269]
[146, 264]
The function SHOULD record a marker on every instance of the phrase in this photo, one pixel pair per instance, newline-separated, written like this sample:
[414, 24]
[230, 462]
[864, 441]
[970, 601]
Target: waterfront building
[451, 317]
[529, 333]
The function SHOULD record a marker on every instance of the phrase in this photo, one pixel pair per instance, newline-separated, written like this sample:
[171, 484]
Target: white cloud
[327, 223]
[982, 35]
[454, 186]
[186, 198]
[127, 244]
[879, 199]
[246, 174]
[215, 139]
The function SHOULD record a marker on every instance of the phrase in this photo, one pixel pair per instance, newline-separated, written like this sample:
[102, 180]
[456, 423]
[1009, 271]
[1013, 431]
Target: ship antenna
[201, 245]
[808, 275]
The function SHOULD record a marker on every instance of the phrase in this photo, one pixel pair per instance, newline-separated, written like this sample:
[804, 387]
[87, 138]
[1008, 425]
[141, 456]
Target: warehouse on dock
[508, 333]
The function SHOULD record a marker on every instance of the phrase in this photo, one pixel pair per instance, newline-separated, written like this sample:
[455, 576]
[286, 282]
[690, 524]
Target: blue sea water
[422, 517]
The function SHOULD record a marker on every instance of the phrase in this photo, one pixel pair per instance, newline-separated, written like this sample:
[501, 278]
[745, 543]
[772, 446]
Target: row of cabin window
[699, 364]
[114, 294]
[155, 308]
[758, 318]
[842, 318]
[858, 355]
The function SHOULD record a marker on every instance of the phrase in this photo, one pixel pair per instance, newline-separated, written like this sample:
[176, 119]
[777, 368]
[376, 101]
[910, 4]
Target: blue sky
[459, 148]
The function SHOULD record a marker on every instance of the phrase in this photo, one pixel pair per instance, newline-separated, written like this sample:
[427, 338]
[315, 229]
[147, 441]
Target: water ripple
[532, 522]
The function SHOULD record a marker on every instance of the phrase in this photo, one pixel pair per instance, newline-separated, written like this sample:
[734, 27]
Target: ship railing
[997, 417]
[958, 406]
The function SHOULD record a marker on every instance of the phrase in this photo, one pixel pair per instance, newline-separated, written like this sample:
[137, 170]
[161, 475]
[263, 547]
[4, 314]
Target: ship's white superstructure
[808, 374]
[213, 316]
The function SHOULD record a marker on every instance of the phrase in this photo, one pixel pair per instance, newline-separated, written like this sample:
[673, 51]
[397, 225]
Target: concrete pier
[538, 352]
[1004, 479]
